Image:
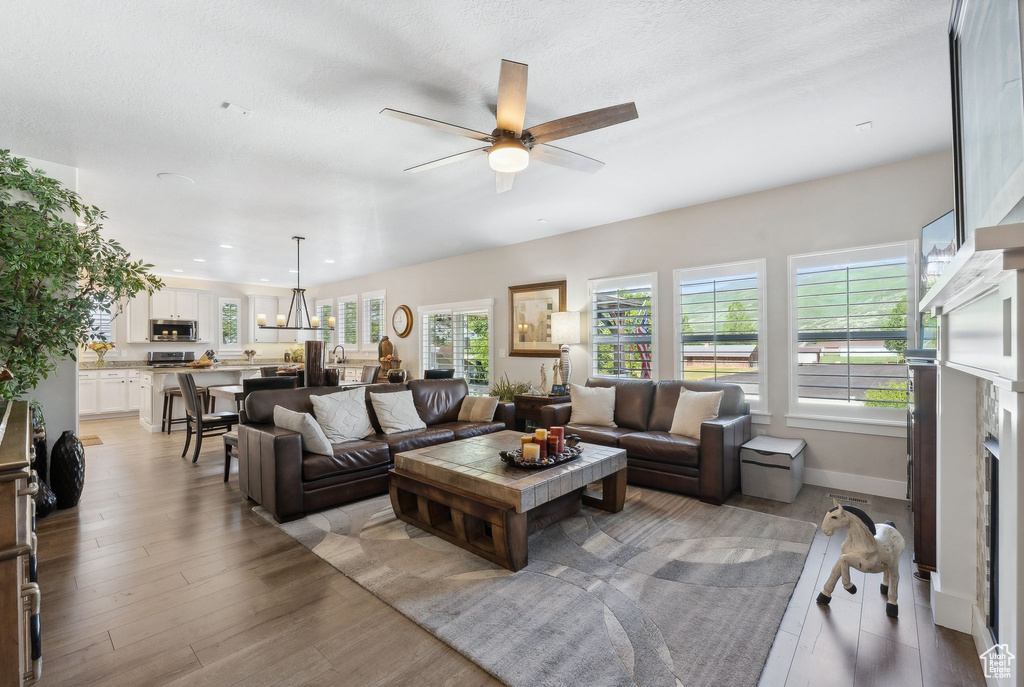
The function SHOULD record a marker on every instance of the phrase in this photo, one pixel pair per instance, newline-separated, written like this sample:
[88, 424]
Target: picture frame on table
[529, 327]
[559, 389]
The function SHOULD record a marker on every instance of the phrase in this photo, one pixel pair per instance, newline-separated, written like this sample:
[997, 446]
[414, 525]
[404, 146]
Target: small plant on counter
[507, 390]
[56, 272]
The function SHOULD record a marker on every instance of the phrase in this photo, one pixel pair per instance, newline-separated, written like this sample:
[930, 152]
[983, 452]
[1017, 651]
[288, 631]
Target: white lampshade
[314, 321]
[261, 319]
[282, 320]
[565, 328]
[331, 322]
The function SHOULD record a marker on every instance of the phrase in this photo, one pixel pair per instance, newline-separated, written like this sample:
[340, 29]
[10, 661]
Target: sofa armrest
[555, 415]
[270, 468]
[720, 442]
[506, 412]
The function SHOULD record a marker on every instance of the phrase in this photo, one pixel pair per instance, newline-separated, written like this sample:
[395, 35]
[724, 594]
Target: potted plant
[56, 270]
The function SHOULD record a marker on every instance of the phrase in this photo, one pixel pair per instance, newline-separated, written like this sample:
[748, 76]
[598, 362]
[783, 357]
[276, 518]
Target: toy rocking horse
[867, 548]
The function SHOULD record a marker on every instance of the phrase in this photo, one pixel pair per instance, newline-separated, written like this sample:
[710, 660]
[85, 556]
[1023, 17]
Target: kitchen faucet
[342, 359]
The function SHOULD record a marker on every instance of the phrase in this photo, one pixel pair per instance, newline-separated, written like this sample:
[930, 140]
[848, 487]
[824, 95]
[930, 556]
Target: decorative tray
[515, 458]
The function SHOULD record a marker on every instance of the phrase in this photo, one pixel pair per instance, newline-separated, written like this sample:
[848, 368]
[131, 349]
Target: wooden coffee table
[463, 493]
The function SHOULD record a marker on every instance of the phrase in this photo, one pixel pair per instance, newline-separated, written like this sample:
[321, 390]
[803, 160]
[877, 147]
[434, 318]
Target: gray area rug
[670, 591]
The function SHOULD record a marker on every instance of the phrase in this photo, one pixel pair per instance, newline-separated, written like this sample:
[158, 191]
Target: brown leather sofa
[289, 482]
[708, 469]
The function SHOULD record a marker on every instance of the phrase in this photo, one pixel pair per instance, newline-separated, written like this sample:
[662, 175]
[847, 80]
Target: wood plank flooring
[164, 576]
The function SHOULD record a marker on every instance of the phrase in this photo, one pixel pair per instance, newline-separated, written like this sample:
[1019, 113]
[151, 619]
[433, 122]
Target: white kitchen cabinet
[138, 318]
[204, 317]
[134, 390]
[146, 397]
[174, 304]
[266, 305]
[88, 388]
[113, 391]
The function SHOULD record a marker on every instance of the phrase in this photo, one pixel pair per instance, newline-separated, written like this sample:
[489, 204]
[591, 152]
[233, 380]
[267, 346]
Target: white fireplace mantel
[979, 301]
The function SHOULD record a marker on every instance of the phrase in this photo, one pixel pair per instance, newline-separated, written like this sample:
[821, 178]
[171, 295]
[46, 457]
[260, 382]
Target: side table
[528, 408]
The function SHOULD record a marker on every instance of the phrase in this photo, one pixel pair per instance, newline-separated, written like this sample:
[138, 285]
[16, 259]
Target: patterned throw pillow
[396, 412]
[478, 408]
[692, 409]
[313, 439]
[343, 415]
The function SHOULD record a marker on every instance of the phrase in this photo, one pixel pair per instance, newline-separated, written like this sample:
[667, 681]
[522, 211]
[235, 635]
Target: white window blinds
[459, 340]
[374, 324]
[348, 313]
[622, 326]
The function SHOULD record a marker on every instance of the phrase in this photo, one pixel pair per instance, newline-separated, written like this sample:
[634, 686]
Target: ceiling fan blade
[512, 96]
[457, 157]
[582, 123]
[565, 158]
[435, 124]
[503, 181]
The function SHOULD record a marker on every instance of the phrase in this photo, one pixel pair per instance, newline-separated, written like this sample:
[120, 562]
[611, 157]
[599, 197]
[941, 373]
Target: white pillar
[954, 586]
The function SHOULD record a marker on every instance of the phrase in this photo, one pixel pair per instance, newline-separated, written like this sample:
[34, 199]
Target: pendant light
[297, 305]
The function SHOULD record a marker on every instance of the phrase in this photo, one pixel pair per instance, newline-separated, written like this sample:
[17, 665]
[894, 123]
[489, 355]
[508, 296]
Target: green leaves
[53, 274]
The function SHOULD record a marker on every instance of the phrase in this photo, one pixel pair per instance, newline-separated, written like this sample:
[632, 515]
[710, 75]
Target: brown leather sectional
[289, 482]
[708, 469]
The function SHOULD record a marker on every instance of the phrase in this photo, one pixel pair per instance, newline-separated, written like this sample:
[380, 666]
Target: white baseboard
[889, 488]
[949, 609]
[982, 639]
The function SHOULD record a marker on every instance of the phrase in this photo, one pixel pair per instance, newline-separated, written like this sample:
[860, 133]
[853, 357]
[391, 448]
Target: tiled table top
[473, 465]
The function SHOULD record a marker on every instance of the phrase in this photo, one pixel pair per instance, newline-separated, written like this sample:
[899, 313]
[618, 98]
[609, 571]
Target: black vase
[67, 470]
[46, 500]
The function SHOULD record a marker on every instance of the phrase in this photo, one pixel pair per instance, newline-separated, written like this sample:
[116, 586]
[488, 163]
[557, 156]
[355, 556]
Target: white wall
[878, 205]
[58, 393]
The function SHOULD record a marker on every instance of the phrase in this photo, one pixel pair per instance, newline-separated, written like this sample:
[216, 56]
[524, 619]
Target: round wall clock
[401, 321]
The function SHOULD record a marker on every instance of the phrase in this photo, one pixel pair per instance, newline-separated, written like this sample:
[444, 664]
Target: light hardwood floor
[163, 575]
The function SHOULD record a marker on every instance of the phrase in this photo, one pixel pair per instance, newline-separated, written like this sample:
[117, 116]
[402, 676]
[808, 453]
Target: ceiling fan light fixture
[508, 155]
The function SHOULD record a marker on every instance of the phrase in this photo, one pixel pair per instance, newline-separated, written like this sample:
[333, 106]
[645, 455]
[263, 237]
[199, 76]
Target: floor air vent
[851, 499]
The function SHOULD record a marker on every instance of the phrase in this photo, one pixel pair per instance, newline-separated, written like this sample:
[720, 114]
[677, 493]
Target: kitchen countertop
[219, 367]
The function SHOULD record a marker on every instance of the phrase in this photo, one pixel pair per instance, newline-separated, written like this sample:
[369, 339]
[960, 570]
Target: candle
[314, 321]
[531, 451]
[281, 320]
[552, 445]
[541, 434]
[331, 322]
[261, 319]
[557, 431]
[524, 440]
[543, 445]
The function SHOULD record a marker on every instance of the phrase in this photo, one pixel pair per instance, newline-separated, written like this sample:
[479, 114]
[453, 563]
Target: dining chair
[438, 374]
[268, 371]
[197, 420]
[370, 373]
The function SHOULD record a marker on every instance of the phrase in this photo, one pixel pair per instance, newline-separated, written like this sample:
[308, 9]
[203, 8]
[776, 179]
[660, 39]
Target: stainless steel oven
[173, 330]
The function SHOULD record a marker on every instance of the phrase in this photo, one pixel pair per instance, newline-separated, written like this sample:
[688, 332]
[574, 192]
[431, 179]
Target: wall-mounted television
[938, 246]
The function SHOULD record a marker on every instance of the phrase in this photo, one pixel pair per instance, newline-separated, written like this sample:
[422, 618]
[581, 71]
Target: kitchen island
[155, 379]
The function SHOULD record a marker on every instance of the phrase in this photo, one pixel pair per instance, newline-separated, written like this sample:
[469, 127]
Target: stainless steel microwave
[173, 330]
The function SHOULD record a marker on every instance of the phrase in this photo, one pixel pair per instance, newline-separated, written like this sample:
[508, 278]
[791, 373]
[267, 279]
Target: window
[719, 326]
[101, 323]
[348, 331]
[230, 338]
[324, 310]
[622, 326]
[458, 336]
[850, 330]
[374, 319]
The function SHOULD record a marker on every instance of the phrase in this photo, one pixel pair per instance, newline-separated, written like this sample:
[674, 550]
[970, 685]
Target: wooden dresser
[922, 435]
[20, 648]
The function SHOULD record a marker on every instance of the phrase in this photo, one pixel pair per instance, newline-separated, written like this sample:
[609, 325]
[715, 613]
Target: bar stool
[170, 393]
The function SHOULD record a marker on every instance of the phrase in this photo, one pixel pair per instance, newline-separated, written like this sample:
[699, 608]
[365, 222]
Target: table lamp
[565, 330]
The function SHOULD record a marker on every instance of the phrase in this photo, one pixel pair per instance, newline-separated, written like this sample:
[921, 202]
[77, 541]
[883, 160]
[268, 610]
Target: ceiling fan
[510, 147]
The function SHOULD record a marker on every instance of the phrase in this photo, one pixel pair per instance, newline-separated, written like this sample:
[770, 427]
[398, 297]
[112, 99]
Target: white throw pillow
[313, 439]
[343, 416]
[692, 409]
[396, 412]
[478, 408]
[592, 405]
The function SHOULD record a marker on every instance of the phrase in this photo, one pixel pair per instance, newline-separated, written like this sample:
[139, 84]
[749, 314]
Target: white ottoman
[772, 468]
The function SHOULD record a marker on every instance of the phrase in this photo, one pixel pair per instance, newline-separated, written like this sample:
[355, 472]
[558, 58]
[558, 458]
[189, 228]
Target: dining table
[231, 392]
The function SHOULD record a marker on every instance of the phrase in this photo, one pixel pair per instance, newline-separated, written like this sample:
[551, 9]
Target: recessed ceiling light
[236, 109]
[542, 220]
[177, 270]
[198, 259]
[264, 279]
[329, 261]
[176, 178]
[226, 245]
[863, 126]
[293, 271]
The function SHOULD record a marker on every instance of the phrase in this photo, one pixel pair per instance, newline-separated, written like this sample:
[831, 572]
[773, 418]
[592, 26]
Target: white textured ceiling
[733, 97]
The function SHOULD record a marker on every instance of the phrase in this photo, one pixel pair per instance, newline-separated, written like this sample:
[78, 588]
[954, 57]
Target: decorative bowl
[573, 440]
[515, 458]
